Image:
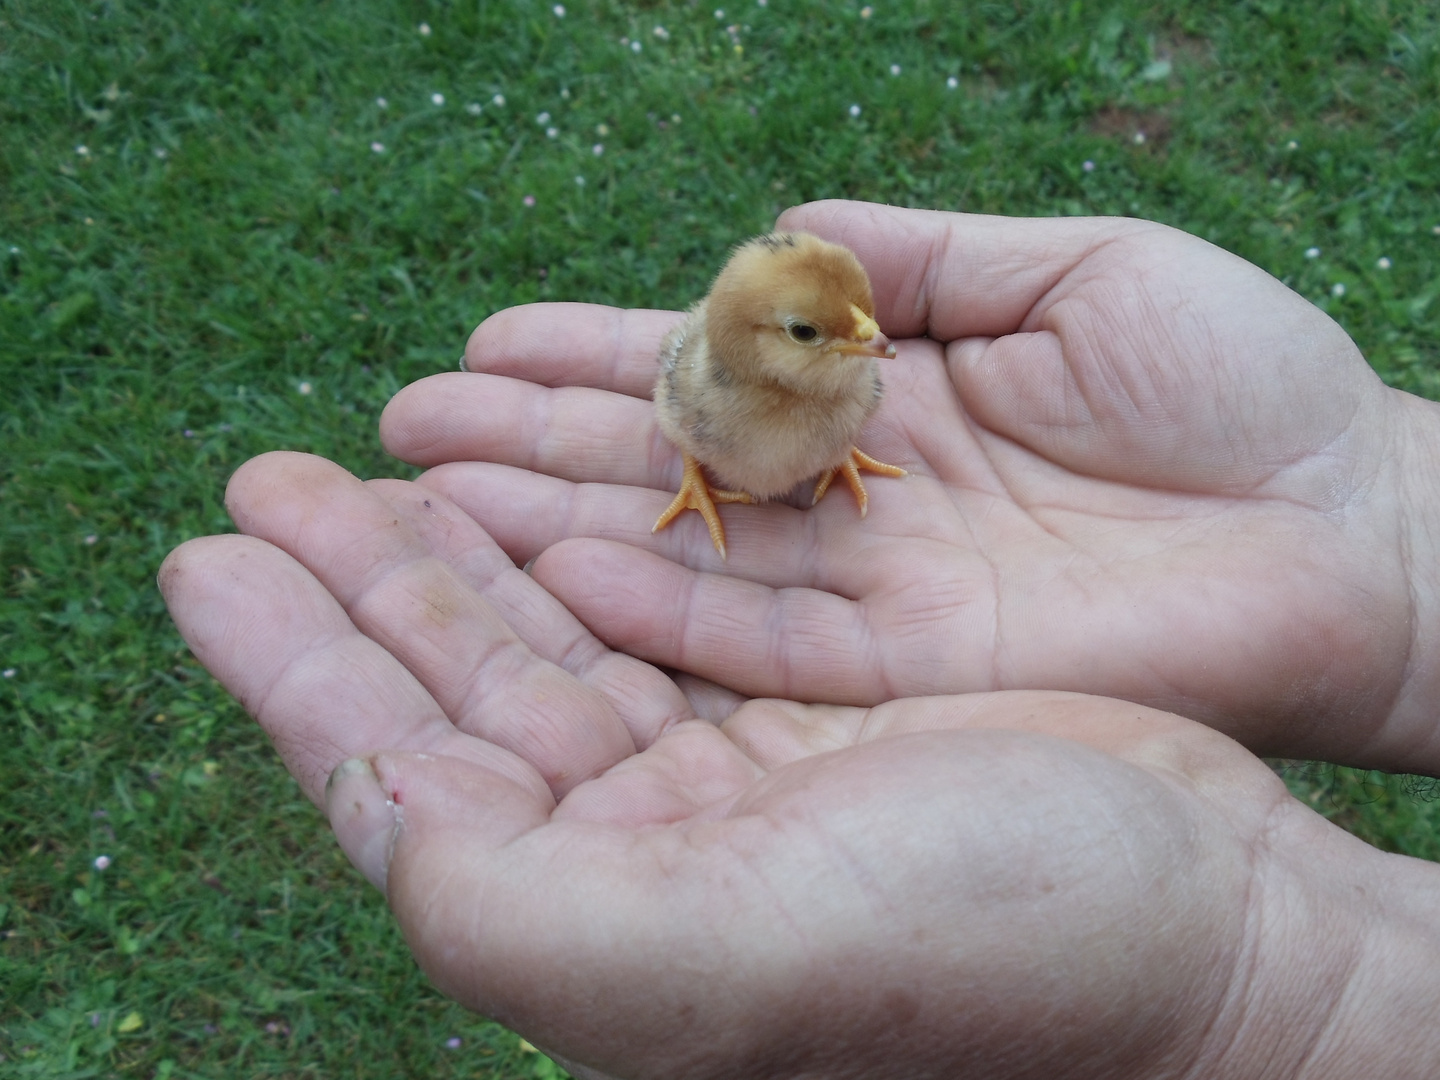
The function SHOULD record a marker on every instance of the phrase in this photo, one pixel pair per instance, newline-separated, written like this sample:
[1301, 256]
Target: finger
[644, 698]
[497, 903]
[774, 734]
[587, 435]
[582, 434]
[827, 547]
[799, 643]
[709, 700]
[1145, 374]
[573, 345]
[948, 275]
[413, 605]
[277, 640]
[588, 939]
[1119, 345]
[692, 773]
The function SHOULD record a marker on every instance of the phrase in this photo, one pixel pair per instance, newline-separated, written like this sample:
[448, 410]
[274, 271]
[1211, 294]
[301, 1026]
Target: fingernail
[365, 819]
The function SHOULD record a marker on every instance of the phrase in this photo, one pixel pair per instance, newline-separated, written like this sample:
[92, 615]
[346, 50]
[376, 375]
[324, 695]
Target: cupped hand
[994, 885]
[1140, 467]
[998, 886]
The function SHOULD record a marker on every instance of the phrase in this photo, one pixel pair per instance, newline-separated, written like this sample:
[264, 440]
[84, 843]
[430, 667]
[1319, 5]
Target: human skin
[1006, 885]
[1140, 467]
[651, 874]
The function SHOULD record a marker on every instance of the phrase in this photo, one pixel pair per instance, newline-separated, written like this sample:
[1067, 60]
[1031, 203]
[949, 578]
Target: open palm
[1140, 467]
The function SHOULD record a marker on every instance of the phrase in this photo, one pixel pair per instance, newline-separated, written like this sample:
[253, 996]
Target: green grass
[229, 240]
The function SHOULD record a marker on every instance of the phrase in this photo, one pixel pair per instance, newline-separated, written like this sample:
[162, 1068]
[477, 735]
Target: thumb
[445, 839]
[375, 803]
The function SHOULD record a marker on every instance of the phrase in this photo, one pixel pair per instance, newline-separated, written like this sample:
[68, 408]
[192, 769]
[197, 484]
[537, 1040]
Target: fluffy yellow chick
[770, 378]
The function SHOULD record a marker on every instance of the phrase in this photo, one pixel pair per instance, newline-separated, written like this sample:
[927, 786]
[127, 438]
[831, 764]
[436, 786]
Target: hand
[1141, 468]
[995, 885]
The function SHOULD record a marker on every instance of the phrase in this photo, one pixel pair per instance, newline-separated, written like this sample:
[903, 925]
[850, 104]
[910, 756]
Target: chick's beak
[867, 339]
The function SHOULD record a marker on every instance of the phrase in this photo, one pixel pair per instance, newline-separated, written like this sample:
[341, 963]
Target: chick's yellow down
[770, 378]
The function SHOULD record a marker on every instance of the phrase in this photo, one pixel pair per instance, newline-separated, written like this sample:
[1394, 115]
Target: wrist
[1343, 977]
[1410, 739]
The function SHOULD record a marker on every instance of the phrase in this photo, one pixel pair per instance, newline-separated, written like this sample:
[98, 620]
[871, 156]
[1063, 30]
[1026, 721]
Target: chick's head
[794, 309]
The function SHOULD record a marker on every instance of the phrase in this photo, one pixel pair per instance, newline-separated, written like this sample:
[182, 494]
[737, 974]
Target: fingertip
[822, 216]
[493, 336]
[275, 477]
[173, 567]
[417, 425]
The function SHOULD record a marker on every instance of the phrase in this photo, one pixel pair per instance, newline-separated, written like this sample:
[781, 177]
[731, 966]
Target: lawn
[227, 228]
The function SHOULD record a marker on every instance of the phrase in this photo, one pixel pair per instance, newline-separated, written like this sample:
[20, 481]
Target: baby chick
[770, 378]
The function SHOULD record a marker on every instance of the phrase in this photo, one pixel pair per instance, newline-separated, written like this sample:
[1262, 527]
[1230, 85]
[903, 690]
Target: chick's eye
[803, 332]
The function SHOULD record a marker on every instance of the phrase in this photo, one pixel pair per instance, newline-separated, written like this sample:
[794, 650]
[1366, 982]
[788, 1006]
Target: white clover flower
[377, 147]
[1383, 262]
[952, 82]
[602, 130]
[381, 103]
[854, 110]
[305, 388]
[719, 13]
[661, 33]
[598, 149]
[1338, 289]
[866, 11]
[102, 862]
[565, 92]
[437, 99]
[474, 108]
[559, 10]
[528, 200]
[161, 153]
[424, 29]
[1139, 138]
[8, 673]
[91, 540]
[1292, 145]
[635, 46]
[1312, 253]
[82, 151]
[762, 3]
[1087, 166]
[498, 101]
[894, 69]
[551, 132]
[579, 181]
[543, 118]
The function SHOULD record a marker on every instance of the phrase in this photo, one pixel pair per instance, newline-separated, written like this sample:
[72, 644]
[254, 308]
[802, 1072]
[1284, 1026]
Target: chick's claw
[850, 469]
[696, 494]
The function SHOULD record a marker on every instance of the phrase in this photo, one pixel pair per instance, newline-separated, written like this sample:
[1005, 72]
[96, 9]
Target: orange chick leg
[696, 494]
[850, 469]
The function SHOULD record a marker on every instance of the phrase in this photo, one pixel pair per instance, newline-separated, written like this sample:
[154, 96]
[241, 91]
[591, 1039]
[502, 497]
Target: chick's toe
[696, 494]
[850, 469]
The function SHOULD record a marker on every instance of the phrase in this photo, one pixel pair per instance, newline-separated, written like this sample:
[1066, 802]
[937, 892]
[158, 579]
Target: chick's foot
[696, 494]
[850, 469]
